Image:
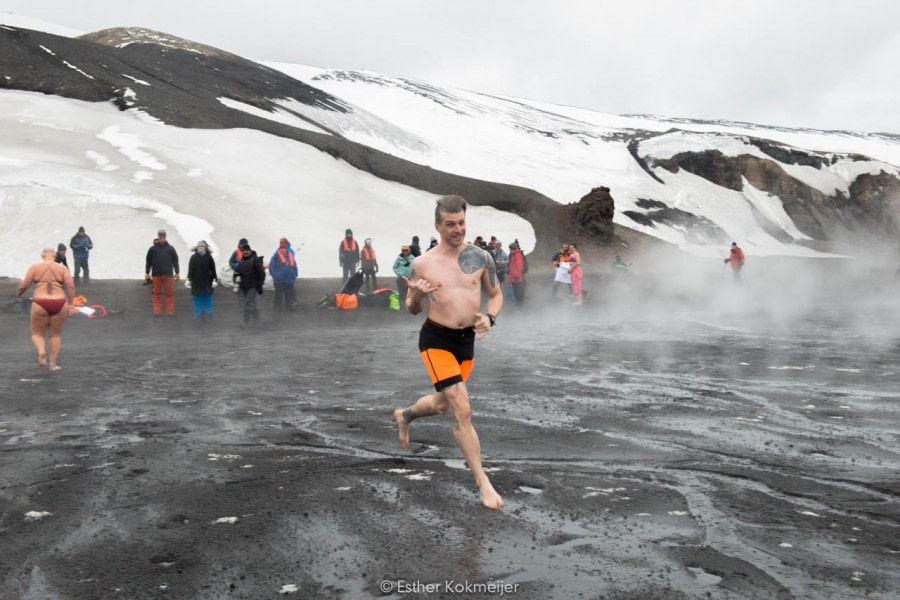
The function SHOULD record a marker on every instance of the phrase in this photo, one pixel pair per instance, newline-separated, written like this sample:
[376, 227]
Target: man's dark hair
[448, 204]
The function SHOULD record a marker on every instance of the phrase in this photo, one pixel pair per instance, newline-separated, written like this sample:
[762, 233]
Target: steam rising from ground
[775, 295]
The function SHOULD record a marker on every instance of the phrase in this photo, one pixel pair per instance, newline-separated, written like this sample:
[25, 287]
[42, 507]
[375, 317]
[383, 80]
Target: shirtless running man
[451, 276]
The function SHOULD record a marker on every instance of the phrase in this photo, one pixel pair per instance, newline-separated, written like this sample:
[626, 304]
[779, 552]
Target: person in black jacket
[61, 255]
[235, 258]
[162, 262]
[201, 278]
[414, 248]
[252, 275]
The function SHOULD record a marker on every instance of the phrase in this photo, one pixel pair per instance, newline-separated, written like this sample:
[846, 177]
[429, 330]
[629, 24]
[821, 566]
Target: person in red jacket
[736, 260]
[518, 266]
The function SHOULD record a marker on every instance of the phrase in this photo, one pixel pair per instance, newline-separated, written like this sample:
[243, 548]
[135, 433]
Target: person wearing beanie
[235, 258]
[518, 267]
[202, 278]
[251, 276]
[81, 245]
[348, 255]
[61, 255]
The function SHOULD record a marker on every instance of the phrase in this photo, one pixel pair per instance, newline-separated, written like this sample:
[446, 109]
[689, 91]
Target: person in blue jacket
[81, 246]
[283, 268]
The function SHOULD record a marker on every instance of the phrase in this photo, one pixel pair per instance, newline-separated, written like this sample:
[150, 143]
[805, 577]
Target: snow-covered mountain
[125, 131]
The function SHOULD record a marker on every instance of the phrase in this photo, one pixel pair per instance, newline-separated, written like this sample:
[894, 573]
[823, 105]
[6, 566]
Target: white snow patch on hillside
[771, 208]
[365, 128]
[732, 211]
[131, 146]
[564, 152]
[206, 185]
[279, 116]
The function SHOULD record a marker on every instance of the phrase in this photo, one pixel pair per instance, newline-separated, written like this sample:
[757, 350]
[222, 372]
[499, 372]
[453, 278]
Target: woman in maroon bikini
[54, 291]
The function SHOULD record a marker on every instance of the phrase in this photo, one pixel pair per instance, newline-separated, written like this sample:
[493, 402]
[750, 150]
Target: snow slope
[122, 175]
[564, 152]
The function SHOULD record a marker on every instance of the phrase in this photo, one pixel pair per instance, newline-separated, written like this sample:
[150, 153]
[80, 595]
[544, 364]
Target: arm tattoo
[491, 269]
[472, 259]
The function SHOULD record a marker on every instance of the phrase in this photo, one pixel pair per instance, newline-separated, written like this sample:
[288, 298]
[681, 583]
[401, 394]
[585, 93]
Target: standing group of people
[161, 270]
[510, 267]
[351, 256]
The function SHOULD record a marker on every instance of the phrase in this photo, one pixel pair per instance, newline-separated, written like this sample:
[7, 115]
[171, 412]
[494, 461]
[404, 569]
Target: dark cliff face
[178, 85]
[876, 202]
[870, 210]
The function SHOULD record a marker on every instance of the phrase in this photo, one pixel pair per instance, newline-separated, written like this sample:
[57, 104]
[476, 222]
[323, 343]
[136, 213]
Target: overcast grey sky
[828, 64]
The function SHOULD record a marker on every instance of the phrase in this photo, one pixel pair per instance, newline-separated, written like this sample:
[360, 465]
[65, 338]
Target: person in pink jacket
[576, 273]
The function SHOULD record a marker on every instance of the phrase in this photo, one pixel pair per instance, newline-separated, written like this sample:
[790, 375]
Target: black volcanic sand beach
[665, 455]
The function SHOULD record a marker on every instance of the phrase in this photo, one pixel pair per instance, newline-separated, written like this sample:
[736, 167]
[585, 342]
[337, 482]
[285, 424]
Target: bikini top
[49, 269]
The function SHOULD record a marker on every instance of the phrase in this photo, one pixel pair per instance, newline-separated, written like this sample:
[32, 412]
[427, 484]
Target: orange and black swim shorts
[448, 354]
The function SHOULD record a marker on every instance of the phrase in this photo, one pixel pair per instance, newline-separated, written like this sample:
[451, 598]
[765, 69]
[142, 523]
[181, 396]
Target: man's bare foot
[402, 427]
[55, 368]
[490, 498]
[42, 361]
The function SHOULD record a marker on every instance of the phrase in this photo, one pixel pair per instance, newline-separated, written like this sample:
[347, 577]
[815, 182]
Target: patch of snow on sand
[35, 515]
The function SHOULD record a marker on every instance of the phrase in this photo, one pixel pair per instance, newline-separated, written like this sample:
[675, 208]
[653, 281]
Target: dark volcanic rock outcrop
[698, 229]
[870, 211]
[593, 215]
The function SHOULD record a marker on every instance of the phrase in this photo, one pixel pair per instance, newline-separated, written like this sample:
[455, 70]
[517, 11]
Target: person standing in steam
[451, 277]
[518, 266]
[348, 255]
[561, 271]
[576, 274]
[736, 260]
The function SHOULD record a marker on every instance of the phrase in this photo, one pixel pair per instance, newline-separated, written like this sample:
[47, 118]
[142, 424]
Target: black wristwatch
[491, 318]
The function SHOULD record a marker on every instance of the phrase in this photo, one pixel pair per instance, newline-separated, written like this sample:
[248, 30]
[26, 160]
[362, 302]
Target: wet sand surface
[674, 456]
